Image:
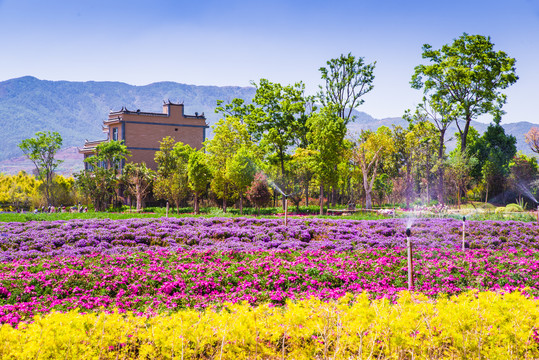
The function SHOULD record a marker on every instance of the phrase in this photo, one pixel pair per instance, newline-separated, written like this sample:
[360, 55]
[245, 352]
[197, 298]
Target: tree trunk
[464, 134]
[441, 197]
[333, 196]
[307, 193]
[197, 211]
[408, 183]
[368, 199]
[321, 199]
[138, 194]
[224, 199]
[486, 196]
[241, 203]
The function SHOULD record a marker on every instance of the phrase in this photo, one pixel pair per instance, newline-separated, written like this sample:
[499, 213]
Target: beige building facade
[141, 131]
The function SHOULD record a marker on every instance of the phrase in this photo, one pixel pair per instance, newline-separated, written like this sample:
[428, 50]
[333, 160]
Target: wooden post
[167, 208]
[410, 263]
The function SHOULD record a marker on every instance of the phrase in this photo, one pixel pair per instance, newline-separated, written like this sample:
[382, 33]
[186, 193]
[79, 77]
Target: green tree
[99, 182]
[383, 187]
[469, 76]
[138, 180]
[171, 182]
[437, 111]
[241, 170]
[199, 175]
[459, 167]
[229, 135]
[41, 151]
[347, 79]
[523, 171]
[370, 148]
[277, 119]
[326, 137]
[498, 148]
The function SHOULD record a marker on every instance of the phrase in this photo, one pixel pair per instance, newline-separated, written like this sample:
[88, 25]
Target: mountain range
[76, 110]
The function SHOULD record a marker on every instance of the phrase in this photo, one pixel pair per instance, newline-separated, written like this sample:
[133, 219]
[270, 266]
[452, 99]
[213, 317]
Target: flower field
[80, 237]
[305, 283]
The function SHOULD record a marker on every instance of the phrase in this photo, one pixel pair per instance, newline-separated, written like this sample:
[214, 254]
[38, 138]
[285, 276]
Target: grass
[270, 212]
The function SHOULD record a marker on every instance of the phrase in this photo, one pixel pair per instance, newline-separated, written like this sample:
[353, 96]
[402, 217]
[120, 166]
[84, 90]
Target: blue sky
[231, 43]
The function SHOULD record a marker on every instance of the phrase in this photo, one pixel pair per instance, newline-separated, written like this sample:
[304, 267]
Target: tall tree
[496, 148]
[138, 180]
[171, 182]
[241, 170]
[370, 148]
[347, 79]
[99, 182]
[438, 112]
[469, 75]
[199, 175]
[41, 151]
[275, 120]
[229, 135]
[326, 136]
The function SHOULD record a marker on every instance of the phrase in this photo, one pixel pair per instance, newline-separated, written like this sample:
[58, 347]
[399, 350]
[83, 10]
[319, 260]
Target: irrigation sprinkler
[286, 209]
[463, 232]
[409, 256]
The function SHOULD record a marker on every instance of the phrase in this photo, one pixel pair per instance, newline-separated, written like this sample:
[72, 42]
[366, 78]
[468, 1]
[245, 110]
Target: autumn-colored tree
[259, 193]
[532, 139]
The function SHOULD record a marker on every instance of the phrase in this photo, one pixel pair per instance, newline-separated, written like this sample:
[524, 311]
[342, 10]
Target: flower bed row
[78, 237]
[165, 281]
[474, 325]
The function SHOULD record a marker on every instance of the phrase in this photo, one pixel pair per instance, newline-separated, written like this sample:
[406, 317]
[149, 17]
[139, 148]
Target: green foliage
[199, 175]
[171, 182]
[468, 75]
[41, 150]
[347, 79]
[99, 182]
[326, 135]
[278, 121]
[229, 136]
[138, 180]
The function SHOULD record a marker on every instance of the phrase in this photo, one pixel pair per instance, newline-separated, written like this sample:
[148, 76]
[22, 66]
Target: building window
[115, 134]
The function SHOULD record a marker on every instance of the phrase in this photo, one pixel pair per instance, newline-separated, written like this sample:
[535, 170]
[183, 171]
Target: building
[141, 131]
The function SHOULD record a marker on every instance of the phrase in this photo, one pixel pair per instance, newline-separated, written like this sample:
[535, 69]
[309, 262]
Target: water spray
[463, 233]
[409, 256]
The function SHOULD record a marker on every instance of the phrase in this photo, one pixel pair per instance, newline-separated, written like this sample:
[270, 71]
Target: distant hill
[76, 110]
